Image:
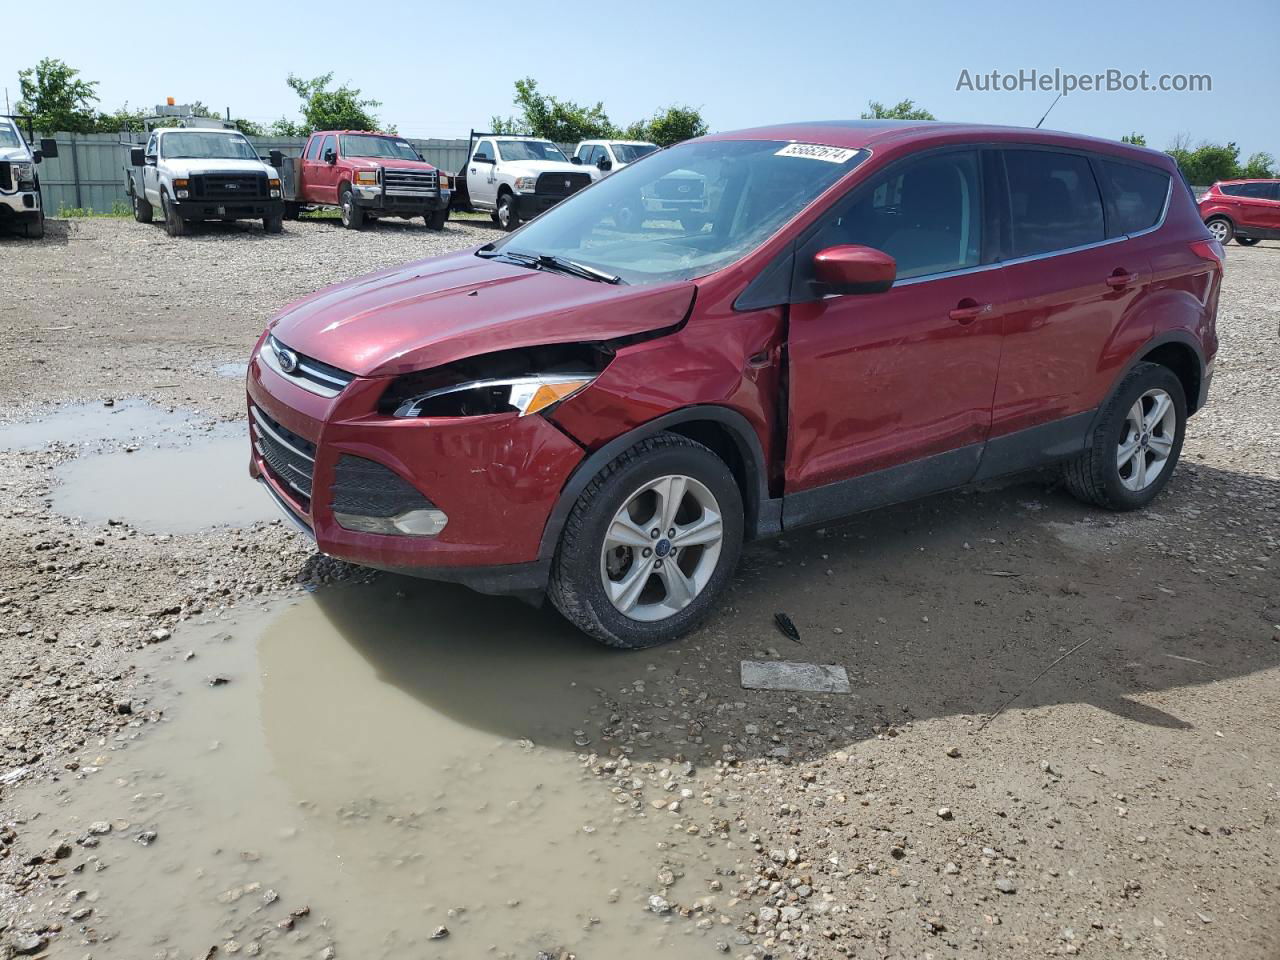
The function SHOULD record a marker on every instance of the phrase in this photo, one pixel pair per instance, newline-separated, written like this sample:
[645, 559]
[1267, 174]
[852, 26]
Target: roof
[1248, 180]
[869, 134]
[638, 143]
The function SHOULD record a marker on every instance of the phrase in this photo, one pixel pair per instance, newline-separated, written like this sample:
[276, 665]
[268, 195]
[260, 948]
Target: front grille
[308, 373]
[367, 489]
[561, 184]
[412, 182]
[290, 458]
[229, 186]
[6, 176]
[678, 188]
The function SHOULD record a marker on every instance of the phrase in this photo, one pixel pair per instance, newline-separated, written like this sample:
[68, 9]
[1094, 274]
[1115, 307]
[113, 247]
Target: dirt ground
[1126, 802]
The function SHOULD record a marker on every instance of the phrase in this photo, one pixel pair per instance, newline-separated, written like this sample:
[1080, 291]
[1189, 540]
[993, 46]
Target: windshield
[631, 152]
[530, 150]
[686, 211]
[8, 136]
[206, 146]
[367, 146]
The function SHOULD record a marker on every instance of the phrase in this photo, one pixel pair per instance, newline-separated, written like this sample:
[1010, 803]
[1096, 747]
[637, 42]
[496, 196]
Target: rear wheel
[174, 225]
[142, 210]
[352, 212]
[436, 219]
[650, 544]
[1136, 443]
[507, 216]
[1247, 241]
[1221, 229]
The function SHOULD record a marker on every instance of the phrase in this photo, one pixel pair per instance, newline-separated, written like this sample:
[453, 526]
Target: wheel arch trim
[1178, 337]
[763, 513]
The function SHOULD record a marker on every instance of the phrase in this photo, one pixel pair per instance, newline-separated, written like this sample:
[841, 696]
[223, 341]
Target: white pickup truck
[203, 171]
[609, 155]
[20, 203]
[516, 178]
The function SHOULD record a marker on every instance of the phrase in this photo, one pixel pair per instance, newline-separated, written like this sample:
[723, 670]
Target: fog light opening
[411, 523]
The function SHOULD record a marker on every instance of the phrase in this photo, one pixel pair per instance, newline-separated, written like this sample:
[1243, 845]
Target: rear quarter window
[1054, 202]
[1136, 196]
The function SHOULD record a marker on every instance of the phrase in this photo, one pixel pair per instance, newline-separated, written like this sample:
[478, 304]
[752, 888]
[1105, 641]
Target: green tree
[1206, 163]
[53, 94]
[669, 126]
[1137, 139]
[902, 110]
[561, 121]
[1259, 166]
[324, 109]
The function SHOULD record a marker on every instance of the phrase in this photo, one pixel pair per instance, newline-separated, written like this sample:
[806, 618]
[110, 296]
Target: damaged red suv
[602, 406]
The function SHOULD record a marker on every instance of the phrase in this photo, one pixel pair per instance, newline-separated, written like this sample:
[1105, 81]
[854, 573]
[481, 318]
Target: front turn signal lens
[367, 178]
[530, 397]
[180, 184]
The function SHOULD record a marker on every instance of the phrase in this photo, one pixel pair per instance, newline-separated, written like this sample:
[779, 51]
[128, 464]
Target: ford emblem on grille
[287, 358]
[233, 186]
[568, 184]
[684, 188]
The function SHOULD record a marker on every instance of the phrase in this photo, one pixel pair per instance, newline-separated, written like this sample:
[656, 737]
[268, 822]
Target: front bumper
[529, 205]
[20, 206]
[228, 209]
[497, 478]
[410, 204]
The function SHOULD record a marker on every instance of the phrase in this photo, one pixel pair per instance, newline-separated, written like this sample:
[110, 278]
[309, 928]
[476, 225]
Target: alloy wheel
[1219, 229]
[1147, 440]
[661, 548]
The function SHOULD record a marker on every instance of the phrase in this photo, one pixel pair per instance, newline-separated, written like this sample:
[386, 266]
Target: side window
[330, 143]
[1275, 191]
[925, 213]
[1233, 190]
[313, 148]
[594, 155]
[152, 145]
[582, 152]
[485, 151]
[1136, 196]
[1054, 199]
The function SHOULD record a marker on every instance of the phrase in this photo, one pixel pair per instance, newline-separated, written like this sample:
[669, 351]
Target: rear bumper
[497, 479]
[228, 209]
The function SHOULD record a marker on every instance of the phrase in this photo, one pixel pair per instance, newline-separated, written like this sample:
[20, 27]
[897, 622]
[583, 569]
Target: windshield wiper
[548, 261]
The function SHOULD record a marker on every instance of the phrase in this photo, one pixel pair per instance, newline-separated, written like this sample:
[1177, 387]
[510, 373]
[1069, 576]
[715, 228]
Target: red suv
[600, 408]
[1244, 210]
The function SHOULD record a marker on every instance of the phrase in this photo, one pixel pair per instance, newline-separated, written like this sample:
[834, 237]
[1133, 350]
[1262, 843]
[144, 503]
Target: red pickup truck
[366, 175]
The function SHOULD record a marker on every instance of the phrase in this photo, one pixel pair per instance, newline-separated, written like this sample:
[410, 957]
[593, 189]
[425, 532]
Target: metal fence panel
[89, 171]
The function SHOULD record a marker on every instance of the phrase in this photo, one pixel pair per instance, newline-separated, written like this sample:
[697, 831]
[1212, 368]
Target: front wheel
[1247, 241]
[436, 219]
[352, 212]
[508, 217]
[35, 228]
[1135, 444]
[1221, 229]
[174, 225]
[273, 224]
[650, 544]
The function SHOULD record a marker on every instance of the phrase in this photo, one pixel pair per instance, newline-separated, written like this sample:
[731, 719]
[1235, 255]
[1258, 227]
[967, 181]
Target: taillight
[1209, 249]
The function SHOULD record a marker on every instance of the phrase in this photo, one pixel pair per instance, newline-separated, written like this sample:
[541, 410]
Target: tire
[174, 225]
[437, 219]
[1101, 475]
[291, 210]
[583, 561]
[352, 212]
[34, 229]
[143, 212]
[273, 224]
[507, 216]
[1221, 228]
[494, 216]
[1248, 241]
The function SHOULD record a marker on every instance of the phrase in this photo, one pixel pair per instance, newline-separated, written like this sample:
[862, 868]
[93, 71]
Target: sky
[441, 69]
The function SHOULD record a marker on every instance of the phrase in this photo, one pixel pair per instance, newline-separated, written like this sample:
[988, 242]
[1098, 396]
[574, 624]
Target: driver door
[482, 178]
[890, 393]
[150, 172]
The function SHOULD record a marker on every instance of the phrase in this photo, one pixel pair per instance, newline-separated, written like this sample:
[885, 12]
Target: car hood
[181, 167]
[432, 312]
[541, 166]
[15, 154]
[394, 163]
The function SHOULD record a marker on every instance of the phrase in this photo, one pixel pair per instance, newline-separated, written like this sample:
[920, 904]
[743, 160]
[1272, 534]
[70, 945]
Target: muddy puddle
[202, 484]
[383, 761]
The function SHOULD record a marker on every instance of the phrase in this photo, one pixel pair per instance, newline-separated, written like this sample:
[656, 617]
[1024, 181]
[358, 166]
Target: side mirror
[37, 156]
[604, 163]
[137, 157]
[852, 268]
[331, 156]
[577, 161]
[277, 158]
[481, 158]
[48, 148]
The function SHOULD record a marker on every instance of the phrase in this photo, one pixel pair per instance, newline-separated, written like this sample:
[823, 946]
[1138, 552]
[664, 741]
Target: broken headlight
[522, 381]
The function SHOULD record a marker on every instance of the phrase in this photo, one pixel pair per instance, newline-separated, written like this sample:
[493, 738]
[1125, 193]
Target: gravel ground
[1124, 803]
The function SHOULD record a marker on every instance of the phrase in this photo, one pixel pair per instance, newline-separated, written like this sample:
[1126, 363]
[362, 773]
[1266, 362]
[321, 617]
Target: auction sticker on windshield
[816, 151]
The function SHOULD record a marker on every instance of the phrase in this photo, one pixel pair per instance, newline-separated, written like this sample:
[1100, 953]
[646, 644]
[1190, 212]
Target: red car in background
[600, 409]
[1242, 210]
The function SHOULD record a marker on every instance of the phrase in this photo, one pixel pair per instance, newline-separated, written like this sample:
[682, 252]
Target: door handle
[968, 310]
[1121, 279]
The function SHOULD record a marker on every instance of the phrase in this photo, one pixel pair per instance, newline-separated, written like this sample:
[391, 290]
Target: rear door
[885, 380]
[1268, 205]
[1070, 285]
